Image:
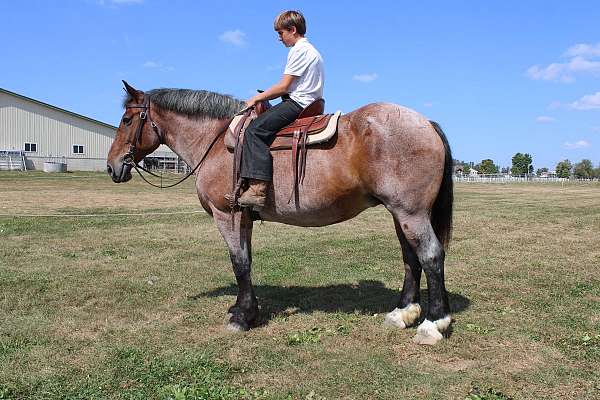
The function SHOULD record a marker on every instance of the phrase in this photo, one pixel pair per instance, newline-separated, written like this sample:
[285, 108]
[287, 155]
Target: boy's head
[290, 25]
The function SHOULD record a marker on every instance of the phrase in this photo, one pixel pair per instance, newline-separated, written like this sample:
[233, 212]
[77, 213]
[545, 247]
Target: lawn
[100, 306]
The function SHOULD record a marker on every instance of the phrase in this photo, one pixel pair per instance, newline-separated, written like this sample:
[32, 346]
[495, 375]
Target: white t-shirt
[305, 62]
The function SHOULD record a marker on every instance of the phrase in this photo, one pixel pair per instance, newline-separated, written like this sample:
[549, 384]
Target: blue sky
[499, 76]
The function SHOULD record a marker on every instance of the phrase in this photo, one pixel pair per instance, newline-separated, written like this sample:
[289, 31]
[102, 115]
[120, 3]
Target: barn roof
[56, 108]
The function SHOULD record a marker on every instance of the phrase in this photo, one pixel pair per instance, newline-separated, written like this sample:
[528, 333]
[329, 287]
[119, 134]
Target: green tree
[521, 164]
[487, 166]
[597, 172]
[466, 169]
[540, 171]
[563, 169]
[583, 169]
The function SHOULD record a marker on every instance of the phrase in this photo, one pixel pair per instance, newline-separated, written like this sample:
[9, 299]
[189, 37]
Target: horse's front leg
[238, 237]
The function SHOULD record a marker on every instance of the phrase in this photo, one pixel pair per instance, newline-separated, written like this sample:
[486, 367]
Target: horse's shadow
[366, 297]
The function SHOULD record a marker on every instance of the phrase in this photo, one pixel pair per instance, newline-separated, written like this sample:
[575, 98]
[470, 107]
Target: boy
[301, 84]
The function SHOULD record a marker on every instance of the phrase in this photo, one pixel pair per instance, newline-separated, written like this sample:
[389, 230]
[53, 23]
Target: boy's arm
[278, 89]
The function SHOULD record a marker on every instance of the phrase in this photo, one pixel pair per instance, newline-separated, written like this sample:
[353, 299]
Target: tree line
[522, 164]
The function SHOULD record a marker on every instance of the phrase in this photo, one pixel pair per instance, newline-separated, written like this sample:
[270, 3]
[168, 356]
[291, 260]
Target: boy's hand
[251, 102]
[278, 89]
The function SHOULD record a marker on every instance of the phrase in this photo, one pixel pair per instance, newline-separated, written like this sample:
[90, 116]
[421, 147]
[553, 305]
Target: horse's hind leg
[408, 309]
[422, 239]
[239, 241]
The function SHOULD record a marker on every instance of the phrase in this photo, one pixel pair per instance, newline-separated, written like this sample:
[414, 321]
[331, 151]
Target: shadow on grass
[366, 297]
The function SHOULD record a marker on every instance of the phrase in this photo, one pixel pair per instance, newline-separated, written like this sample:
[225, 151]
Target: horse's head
[134, 139]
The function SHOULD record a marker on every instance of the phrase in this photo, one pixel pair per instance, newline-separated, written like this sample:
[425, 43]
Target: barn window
[31, 147]
[77, 149]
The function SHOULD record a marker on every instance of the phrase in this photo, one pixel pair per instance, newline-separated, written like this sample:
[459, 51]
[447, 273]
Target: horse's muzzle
[119, 174]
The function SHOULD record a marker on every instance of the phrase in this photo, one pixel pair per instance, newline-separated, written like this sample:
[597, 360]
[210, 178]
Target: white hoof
[430, 333]
[233, 327]
[403, 317]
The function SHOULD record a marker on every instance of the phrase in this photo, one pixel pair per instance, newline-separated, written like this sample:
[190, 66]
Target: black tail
[441, 214]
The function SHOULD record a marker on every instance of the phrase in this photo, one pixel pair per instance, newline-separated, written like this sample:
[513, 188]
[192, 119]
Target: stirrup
[233, 197]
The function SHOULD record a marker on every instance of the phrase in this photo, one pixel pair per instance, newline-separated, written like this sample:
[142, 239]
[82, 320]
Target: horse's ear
[137, 95]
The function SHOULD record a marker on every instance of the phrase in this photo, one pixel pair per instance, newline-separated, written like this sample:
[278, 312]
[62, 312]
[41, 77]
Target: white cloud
[544, 119]
[236, 38]
[159, 66]
[366, 78]
[577, 145]
[584, 50]
[581, 62]
[553, 72]
[587, 102]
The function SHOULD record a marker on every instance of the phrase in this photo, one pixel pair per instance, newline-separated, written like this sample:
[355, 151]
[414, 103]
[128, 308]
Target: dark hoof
[248, 316]
[236, 324]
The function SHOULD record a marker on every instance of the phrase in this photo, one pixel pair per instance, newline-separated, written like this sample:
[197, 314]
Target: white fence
[12, 160]
[163, 163]
[506, 178]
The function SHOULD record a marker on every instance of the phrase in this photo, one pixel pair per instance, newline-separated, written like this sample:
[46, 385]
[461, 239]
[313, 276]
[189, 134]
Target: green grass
[133, 307]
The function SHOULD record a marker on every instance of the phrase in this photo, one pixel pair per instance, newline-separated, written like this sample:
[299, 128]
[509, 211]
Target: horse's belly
[315, 215]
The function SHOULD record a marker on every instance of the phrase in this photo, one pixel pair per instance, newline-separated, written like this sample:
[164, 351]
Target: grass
[132, 307]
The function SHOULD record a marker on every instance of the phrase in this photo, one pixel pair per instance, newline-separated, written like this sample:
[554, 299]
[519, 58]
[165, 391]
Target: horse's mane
[197, 103]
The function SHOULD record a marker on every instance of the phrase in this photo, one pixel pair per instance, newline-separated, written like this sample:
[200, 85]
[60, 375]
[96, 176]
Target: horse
[382, 154]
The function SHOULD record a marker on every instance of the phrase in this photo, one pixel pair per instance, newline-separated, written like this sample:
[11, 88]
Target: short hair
[287, 19]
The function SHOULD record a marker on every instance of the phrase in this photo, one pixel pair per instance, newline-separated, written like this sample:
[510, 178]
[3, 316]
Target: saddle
[311, 127]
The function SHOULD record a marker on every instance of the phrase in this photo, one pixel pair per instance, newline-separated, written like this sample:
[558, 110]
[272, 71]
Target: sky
[500, 77]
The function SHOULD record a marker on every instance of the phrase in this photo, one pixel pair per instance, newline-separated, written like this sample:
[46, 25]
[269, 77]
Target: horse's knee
[430, 254]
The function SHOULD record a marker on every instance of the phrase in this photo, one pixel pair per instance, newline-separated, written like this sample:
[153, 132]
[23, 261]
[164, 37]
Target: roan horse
[382, 154]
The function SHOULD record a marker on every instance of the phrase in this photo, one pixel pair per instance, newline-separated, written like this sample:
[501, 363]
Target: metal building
[33, 132]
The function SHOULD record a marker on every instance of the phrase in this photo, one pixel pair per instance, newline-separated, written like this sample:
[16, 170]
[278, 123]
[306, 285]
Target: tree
[597, 172]
[563, 169]
[487, 166]
[466, 166]
[521, 164]
[541, 171]
[583, 169]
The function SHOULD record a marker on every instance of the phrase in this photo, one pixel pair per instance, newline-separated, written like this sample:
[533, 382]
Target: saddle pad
[313, 138]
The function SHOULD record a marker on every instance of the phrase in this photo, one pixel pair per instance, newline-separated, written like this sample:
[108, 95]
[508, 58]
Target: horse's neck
[189, 138]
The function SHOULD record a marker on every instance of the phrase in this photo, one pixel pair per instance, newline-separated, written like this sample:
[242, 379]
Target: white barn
[35, 132]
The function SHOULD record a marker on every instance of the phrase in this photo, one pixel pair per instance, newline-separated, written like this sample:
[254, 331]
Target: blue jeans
[257, 162]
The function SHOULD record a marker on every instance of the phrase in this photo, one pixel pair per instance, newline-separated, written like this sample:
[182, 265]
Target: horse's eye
[126, 121]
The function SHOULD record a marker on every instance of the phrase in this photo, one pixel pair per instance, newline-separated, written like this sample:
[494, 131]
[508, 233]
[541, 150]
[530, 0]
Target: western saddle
[311, 127]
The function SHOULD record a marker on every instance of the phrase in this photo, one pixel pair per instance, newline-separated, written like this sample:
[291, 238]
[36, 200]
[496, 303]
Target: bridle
[129, 158]
[144, 115]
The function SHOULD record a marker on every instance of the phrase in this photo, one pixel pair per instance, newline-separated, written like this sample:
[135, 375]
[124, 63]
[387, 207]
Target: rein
[129, 158]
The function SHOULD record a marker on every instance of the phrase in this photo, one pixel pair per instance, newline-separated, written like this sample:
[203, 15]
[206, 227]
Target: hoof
[403, 317]
[235, 327]
[430, 333]
[236, 324]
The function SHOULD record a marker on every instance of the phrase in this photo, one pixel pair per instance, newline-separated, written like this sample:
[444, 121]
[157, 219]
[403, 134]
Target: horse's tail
[441, 213]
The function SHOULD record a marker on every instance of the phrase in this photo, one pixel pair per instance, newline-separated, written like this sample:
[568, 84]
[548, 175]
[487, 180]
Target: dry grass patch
[135, 305]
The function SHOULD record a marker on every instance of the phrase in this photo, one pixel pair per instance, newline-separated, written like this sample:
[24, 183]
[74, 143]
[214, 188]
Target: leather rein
[129, 158]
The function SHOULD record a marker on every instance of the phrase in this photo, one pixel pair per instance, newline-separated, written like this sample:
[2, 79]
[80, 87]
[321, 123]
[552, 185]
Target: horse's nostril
[109, 169]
